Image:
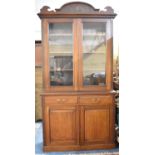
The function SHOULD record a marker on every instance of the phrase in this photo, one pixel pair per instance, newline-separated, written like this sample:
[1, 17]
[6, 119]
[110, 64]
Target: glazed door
[61, 125]
[95, 54]
[59, 55]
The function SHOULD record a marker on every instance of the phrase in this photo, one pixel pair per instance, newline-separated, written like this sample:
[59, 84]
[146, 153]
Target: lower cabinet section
[76, 125]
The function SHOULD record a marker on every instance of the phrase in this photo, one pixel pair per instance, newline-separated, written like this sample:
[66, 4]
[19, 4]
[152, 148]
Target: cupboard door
[95, 55]
[61, 125]
[95, 124]
[59, 55]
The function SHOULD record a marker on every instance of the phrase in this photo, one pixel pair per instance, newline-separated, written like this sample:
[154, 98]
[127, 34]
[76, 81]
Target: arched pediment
[77, 7]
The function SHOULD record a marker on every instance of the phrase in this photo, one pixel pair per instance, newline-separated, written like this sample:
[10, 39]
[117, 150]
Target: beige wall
[38, 89]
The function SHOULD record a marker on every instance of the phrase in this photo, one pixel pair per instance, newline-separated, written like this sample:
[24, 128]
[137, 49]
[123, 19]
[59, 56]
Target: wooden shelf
[95, 34]
[84, 35]
[60, 52]
[94, 69]
[93, 53]
[62, 70]
[60, 35]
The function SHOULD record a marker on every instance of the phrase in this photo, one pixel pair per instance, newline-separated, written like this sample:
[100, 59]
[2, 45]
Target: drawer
[107, 99]
[61, 99]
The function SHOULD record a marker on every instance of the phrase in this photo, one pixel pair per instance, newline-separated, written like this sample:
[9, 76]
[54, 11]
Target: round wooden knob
[58, 100]
[63, 100]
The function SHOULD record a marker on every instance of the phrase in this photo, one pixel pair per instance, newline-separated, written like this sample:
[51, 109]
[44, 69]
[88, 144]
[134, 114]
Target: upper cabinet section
[76, 9]
[77, 48]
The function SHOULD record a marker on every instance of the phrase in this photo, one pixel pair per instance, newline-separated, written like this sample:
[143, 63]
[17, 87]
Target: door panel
[62, 125]
[59, 69]
[61, 54]
[92, 55]
[95, 55]
[95, 123]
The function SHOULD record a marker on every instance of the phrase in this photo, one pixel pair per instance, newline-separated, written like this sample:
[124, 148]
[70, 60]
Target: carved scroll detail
[44, 9]
[108, 10]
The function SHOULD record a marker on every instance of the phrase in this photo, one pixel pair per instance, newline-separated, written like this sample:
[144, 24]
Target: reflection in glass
[61, 54]
[94, 53]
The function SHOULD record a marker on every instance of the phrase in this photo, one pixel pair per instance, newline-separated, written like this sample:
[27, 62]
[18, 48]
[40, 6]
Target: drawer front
[61, 99]
[107, 99]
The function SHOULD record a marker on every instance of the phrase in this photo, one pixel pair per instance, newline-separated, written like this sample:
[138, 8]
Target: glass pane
[94, 53]
[61, 54]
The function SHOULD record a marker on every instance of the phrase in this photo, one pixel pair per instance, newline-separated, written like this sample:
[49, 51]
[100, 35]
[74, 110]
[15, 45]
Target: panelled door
[95, 124]
[62, 125]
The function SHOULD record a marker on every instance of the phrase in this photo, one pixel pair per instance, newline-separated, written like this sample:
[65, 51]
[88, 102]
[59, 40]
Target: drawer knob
[58, 100]
[63, 100]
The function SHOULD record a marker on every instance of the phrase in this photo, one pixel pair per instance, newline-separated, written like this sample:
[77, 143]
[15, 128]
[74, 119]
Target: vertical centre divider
[80, 54]
[77, 31]
[75, 54]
